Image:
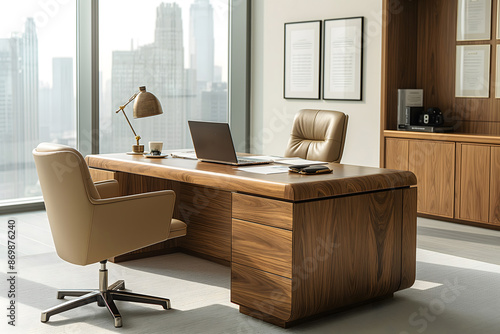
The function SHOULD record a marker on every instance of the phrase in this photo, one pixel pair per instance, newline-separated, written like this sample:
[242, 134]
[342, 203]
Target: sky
[120, 21]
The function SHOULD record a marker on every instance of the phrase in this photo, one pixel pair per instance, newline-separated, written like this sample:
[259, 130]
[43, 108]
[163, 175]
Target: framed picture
[473, 20]
[343, 59]
[472, 71]
[302, 60]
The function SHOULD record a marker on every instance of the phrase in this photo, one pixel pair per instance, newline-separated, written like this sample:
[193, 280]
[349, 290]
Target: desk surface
[345, 179]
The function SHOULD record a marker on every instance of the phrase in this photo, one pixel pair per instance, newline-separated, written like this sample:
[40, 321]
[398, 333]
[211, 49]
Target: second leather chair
[318, 135]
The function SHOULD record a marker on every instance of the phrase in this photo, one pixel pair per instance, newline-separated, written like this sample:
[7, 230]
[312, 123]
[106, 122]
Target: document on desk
[268, 169]
[288, 161]
[184, 155]
[298, 161]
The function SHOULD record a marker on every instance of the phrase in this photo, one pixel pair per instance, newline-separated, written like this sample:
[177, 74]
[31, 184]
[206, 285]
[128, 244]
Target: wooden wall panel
[434, 165]
[396, 156]
[495, 186]
[436, 53]
[399, 54]
[474, 183]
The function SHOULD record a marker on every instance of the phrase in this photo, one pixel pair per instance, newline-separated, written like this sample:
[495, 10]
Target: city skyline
[33, 109]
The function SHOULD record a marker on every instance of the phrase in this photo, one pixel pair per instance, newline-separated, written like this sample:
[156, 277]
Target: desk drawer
[263, 210]
[261, 291]
[263, 247]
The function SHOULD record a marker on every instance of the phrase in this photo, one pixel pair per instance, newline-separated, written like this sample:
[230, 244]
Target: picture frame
[302, 60]
[472, 77]
[473, 20]
[343, 59]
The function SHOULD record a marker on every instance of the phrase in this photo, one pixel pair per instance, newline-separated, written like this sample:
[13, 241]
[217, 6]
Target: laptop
[213, 143]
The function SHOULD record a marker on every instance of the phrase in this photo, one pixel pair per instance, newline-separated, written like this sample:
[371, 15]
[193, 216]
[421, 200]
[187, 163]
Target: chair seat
[177, 228]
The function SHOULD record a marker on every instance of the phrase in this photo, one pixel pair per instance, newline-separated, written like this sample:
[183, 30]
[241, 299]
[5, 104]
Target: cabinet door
[396, 153]
[474, 182]
[495, 185]
[433, 163]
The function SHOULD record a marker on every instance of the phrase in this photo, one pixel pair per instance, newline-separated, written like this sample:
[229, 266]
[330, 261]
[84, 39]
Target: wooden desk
[299, 246]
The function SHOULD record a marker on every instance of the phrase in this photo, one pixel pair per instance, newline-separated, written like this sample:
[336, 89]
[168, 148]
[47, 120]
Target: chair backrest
[67, 189]
[318, 135]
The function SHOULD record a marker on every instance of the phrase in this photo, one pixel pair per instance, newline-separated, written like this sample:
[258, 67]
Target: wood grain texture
[474, 184]
[345, 179]
[207, 214]
[101, 175]
[261, 291]
[434, 165]
[409, 238]
[451, 137]
[346, 250]
[262, 247]
[396, 156]
[435, 41]
[419, 51]
[399, 55]
[263, 210]
[494, 216]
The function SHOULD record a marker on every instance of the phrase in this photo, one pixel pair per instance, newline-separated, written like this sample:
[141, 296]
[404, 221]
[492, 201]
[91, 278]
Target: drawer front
[261, 291]
[263, 247]
[263, 210]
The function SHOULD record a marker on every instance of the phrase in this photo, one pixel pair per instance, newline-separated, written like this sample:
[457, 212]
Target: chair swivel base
[102, 298]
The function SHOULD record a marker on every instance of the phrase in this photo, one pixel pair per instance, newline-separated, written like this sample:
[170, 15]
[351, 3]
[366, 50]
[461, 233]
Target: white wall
[272, 115]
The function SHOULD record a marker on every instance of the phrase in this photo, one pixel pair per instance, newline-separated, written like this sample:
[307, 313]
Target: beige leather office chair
[91, 223]
[318, 135]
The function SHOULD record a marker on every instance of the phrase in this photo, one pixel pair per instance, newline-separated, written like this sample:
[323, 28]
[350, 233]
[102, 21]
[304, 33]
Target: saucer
[149, 155]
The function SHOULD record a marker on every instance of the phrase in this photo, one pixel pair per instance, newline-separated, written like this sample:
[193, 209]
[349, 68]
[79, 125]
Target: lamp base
[138, 148]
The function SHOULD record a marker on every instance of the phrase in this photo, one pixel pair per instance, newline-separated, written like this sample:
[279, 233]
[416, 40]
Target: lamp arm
[124, 114]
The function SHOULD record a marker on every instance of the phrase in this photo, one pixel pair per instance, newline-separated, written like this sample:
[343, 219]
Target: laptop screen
[212, 141]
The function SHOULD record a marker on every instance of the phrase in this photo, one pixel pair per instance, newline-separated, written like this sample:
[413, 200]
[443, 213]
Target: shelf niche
[419, 51]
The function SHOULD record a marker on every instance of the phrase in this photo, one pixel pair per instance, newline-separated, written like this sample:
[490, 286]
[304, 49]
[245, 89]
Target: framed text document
[497, 78]
[302, 60]
[472, 71]
[343, 59]
[473, 20]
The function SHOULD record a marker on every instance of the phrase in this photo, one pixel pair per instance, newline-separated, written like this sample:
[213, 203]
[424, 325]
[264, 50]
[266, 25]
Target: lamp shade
[146, 104]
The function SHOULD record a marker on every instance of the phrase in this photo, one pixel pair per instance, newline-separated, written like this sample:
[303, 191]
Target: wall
[272, 115]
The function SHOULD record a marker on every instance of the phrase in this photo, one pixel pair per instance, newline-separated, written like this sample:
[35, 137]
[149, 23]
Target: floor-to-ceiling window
[37, 88]
[178, 50]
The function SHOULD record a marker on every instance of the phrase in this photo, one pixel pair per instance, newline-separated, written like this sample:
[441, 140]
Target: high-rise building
[62, 115]
[19, 112]
[160, 67]
[201, 41]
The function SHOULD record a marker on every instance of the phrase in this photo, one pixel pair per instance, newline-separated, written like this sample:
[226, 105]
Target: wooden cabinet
[473, 180]
[458, 176]
[433, 163]
[494, 216]
[396, 156]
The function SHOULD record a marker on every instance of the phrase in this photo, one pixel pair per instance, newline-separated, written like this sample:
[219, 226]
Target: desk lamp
[145, 105]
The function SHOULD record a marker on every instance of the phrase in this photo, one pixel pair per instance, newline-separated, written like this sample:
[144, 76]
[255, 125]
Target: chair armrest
[126, 223]
[108, 188]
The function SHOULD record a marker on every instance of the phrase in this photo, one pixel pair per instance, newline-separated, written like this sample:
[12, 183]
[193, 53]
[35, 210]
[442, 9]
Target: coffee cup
[155, 147]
